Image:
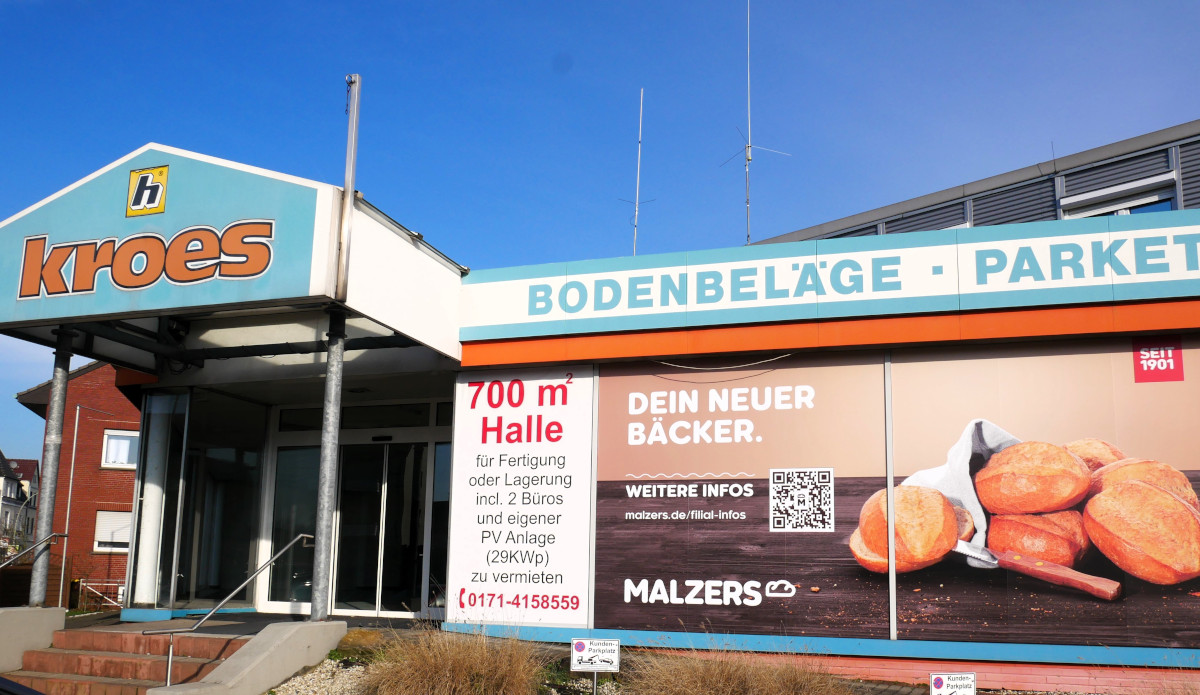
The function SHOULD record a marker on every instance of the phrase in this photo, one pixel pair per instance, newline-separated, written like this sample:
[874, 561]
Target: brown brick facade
[96, 488]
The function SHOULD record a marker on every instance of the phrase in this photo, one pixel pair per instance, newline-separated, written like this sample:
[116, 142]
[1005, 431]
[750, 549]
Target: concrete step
[116, 665]
[197, 646]
[68, 684]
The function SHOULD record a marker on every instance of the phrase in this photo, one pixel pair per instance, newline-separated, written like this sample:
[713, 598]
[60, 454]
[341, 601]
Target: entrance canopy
[166, 259]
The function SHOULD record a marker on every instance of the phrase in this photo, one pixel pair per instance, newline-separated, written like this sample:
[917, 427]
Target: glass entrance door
[381, 528]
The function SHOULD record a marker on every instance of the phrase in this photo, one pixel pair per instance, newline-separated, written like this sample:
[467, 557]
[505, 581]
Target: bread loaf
[926, 526]
[874, 561]
[1145, 530]
[1094, 452]
[966, 524]
[1058, 537]
[1146, 470]
[1032, 477]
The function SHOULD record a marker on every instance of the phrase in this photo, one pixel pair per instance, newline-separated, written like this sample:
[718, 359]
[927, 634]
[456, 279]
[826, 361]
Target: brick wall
[95, 488]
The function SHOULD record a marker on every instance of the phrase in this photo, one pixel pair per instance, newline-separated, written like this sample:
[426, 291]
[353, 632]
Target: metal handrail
[181, 630]
[14, 558]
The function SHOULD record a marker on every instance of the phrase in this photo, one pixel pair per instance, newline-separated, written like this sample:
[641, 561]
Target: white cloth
[954, 478]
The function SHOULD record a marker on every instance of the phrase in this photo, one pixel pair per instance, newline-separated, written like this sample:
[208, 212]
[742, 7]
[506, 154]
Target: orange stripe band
[989, 325]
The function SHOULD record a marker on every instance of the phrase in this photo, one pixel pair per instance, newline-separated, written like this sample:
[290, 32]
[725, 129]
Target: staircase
[113, 662]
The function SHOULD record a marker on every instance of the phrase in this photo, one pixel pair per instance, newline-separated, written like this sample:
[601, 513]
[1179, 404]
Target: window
[112, 532]
[1151, 202]
[120, 449]
[1151, 194]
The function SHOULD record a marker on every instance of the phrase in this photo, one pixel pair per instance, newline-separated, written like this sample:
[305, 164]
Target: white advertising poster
[521, 505]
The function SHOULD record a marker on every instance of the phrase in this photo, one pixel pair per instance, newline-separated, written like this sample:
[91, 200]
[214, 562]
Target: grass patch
[1173, 688]
[431, 662]
[727, 673]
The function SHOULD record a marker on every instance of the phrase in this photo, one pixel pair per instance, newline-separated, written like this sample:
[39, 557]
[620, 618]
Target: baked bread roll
[1146, 470]
[1030, 478]
[926, 527]
[874, 561]
[1094, 452]
[1057, 537]
[966, 524]
[1145, 530]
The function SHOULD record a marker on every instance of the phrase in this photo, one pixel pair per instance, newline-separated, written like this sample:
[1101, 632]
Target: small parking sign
[952, 684]
[596, 655]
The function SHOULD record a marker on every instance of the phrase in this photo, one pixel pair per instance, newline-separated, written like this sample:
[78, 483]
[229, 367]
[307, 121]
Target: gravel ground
[328, 678]
[347, 678]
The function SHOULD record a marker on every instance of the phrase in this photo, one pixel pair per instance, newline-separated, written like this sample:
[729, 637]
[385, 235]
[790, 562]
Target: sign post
[596, 656]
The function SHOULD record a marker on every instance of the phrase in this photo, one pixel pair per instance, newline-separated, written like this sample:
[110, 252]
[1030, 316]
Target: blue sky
[506, 132]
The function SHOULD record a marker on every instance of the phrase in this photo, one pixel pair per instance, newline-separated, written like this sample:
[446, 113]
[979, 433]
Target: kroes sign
[197, 254]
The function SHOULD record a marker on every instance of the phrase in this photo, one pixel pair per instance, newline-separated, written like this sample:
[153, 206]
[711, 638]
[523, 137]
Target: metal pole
[353, 87]
[749, 136]
[331, 419]
[637, 191]
[889, 462]
[62, 569]
[49, 478]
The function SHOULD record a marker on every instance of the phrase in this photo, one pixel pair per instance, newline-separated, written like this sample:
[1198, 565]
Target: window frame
[104, 463]
[107, 550]
[1119, 198]
[1121, 207]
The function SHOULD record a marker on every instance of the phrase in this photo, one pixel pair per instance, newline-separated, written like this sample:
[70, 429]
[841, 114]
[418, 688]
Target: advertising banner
[1047, 494]
[1065, 456]
[521, 509]
[726, 495]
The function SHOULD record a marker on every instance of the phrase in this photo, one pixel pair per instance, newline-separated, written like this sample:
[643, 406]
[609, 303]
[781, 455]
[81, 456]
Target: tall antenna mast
[748, 135]
[750, 146]
[637, 201]
[637, 192]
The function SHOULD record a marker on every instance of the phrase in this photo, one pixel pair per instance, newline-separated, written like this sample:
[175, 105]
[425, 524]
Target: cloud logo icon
[781, 589]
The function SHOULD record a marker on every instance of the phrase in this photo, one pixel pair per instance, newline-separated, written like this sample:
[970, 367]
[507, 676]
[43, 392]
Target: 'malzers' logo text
[197, 254]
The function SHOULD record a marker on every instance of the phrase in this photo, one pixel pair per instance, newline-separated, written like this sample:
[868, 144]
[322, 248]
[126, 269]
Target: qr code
[801, 499]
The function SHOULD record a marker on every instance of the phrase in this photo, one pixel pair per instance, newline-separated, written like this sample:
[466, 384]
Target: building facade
[660, 448]
[95, 480]
[18, 503]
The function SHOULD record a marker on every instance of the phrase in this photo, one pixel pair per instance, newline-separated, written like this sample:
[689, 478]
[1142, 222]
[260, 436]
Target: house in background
[96, 471]
[18, 503]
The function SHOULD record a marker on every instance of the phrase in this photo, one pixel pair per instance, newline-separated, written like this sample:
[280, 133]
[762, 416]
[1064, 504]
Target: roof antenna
[638, 186]
[749, 145]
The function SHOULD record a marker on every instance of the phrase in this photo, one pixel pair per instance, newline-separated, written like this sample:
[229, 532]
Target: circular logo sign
[579, 648]
[937, 681]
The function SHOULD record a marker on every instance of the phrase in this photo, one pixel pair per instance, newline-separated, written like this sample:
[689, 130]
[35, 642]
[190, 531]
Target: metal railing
[182, 630]
[109, 593]
[31, 548]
